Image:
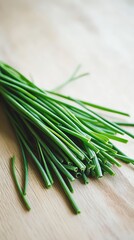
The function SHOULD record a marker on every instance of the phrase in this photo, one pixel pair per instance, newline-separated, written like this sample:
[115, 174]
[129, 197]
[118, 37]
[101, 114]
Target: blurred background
[46, 40]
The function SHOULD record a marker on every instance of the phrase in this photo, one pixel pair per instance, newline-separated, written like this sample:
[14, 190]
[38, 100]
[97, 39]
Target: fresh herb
[62, 135]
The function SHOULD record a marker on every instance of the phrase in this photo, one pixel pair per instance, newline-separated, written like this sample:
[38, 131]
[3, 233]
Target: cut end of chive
[72, 180]
[100, 176]
[78, 211]
[86, 182]
[27, 206]
[118, 164]
[49, 186]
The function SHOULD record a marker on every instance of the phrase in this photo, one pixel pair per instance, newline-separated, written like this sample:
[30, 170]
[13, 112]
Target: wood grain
[46, 40]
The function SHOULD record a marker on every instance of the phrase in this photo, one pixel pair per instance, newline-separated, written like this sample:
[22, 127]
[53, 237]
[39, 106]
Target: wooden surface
[46, 40]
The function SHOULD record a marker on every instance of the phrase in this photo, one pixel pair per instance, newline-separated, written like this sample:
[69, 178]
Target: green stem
[125, 124]
[25, 201]
[90, 104]
[71, 79]
[65, 188]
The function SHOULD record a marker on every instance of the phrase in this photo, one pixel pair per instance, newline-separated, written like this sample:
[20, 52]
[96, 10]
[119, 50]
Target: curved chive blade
[45, 164]
[90, 104]
[125, 124]
[71, 79]
[65, 188]
[69, 185]
[23, 197]
[25, 168]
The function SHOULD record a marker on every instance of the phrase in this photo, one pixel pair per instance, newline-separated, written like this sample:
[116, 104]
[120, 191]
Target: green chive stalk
[61, 135]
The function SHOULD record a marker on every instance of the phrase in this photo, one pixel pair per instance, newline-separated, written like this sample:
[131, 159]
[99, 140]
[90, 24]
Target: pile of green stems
[68, 140]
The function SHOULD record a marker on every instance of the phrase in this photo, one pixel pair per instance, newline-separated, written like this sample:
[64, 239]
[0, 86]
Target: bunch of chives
[66, 139]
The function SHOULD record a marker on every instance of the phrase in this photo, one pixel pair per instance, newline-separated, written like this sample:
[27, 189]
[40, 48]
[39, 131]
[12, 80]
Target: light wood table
[46, 40]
